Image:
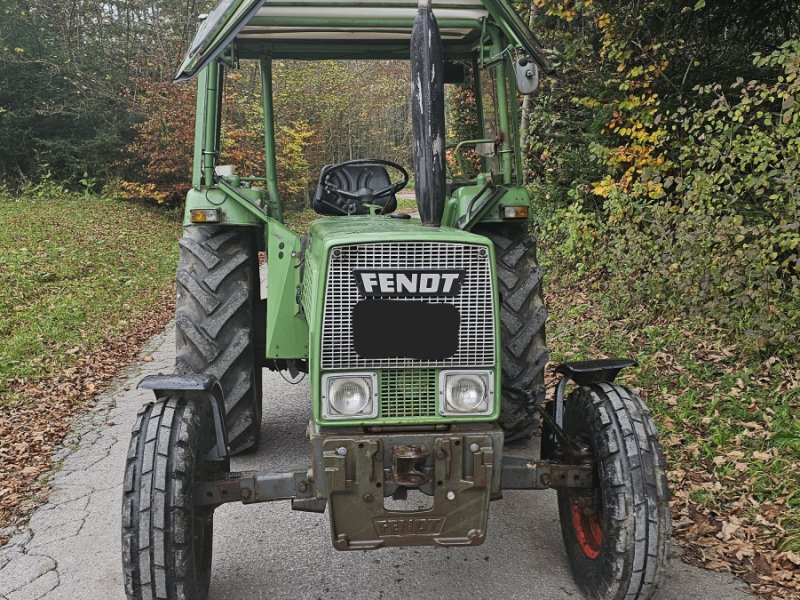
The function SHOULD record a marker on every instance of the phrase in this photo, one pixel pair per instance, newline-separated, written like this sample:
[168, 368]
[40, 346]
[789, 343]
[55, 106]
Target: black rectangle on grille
[408, 393]
[415, 330]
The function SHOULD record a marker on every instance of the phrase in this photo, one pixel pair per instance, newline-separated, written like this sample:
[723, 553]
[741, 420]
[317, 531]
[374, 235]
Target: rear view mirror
[527, 74]
[454, 73]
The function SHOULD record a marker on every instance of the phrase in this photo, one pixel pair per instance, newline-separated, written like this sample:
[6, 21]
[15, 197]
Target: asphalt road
[71, 548]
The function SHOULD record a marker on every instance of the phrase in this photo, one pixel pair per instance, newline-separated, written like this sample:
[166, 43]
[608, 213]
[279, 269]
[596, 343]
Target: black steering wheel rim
[389, 190]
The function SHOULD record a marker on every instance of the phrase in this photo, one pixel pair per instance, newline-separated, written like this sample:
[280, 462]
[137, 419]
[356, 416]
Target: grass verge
[86, 281]
[729, 427]
[75, 270]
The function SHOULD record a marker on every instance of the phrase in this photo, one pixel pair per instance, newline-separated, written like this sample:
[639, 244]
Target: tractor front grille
[474, 302]
[408, 393]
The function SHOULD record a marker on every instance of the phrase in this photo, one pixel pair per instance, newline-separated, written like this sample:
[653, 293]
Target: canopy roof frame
[348, 29]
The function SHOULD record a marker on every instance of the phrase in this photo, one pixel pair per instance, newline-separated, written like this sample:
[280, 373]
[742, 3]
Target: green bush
[711, 232]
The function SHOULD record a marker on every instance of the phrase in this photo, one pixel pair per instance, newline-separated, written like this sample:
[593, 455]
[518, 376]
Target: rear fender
[235, 205]
[484, 202]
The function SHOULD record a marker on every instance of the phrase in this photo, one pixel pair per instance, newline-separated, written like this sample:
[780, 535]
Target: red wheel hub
[587, 520]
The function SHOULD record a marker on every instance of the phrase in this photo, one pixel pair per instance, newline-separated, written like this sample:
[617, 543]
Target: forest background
[666, 150]
[664, 163]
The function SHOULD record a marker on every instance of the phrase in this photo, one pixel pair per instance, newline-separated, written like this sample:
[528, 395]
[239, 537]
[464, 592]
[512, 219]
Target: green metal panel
[502, 99]
[326, 234]
[233, 211]
[287, 330]
[199, 130]
[515, 118]
[459, 203]
[339, 231]
[276, 208]
[211, 114]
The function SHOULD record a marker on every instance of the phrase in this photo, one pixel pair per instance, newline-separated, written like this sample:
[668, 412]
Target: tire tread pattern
[522, 322]
[158, 518]
[217, 288]
[635, 494]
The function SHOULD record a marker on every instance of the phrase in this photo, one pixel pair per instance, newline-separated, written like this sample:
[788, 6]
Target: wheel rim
[587, 521]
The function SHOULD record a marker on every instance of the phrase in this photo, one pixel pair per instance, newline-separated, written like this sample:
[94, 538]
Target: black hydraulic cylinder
[427, 113]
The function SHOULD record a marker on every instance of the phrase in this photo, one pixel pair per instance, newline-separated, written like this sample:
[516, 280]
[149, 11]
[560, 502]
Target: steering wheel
[363, 195]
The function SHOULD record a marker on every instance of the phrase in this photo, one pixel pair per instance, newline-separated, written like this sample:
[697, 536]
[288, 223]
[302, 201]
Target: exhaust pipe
[427, 114]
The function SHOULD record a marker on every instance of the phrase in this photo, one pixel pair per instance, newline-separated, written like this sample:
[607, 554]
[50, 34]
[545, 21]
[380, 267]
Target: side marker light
[204, 215]
[514, 212]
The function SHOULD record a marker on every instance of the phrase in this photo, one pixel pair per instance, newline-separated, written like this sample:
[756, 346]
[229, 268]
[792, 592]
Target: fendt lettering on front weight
[408, 526]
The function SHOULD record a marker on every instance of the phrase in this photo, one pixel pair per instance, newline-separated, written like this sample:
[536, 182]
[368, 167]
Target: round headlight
[465, 393]
[349, 395]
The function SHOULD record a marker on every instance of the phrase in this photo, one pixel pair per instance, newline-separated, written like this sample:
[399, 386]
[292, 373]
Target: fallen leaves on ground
[37, 420]
[722, 519]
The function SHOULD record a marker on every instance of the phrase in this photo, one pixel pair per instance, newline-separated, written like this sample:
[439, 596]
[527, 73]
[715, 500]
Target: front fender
[200, 388]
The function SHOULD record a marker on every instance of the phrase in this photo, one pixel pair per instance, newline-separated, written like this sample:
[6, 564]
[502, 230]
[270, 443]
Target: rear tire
[166, 540]
[216, 318]
[522, 319]
[617, 534]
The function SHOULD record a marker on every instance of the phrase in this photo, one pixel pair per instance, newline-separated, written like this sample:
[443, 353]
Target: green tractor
[423, 337]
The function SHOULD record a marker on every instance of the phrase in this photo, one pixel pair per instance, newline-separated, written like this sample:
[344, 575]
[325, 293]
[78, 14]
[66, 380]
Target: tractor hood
[316, 29]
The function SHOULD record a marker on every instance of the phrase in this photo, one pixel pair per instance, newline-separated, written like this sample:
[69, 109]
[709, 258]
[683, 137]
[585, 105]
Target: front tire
[166, 540]
[617, 534]
[216, 316]
[522, 319]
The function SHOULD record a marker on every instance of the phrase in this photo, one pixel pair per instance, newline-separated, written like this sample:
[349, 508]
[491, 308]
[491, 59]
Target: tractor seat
[352, 178]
